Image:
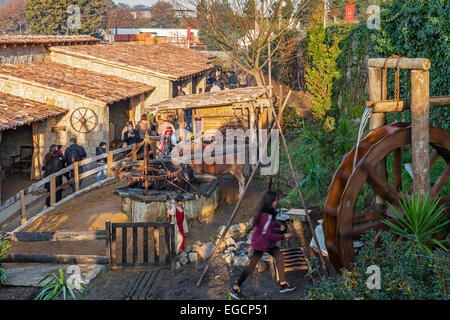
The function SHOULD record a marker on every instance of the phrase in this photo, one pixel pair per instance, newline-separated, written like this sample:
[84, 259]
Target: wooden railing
[8, 217]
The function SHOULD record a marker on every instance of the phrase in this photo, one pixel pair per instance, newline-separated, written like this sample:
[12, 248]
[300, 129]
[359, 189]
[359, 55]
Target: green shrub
[421, 220]
[57, 285]
[5, 246]
[403, 277]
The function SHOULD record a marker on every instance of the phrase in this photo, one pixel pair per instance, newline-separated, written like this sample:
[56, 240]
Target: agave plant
[5, 246]
[421, 220]
[56, 286]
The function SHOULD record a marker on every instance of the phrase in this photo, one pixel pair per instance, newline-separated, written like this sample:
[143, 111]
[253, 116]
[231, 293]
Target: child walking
[264, 239]
[177, 217]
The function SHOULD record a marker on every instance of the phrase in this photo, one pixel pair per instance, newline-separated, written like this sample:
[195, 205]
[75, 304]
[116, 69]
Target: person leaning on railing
[101, 149]
[52, 164]
[74, 153]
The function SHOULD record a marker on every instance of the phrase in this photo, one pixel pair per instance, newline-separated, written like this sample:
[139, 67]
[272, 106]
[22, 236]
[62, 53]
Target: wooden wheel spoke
[434, 158]
[398, 169]
[440, 182]
[382, 187]
[368, 216]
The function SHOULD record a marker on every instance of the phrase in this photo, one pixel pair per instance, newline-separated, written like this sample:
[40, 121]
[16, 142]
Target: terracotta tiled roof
[47, 40]
[165, 60]
[71, 80]
[211, 99]
[16, 111]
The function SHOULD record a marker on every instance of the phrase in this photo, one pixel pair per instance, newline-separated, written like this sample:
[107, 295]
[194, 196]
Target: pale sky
[148, 3]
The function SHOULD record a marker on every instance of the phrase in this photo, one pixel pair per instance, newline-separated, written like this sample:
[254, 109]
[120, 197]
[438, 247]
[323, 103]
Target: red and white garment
[177, 217]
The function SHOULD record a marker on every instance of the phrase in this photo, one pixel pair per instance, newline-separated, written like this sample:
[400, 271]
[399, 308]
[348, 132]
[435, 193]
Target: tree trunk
[257, 75]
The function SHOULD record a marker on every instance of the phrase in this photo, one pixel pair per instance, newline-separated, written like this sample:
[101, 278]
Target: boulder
[193, 256]
[266, 257]
[183, 260]
[231, 242]
[235, 230]
[178, 265]
[241, 261]
[229, 257]
[243, 227]
[206, 250]
[240, 244]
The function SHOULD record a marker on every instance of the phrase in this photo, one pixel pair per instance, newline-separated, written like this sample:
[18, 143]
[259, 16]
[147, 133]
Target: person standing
[215, 87]
[177, 217]
[233, 81]
[180, 91]
[143, 126]
[242, 80]
[74, 153]
[264, 239]
[52, 164]
[131, 136]
[101, 149]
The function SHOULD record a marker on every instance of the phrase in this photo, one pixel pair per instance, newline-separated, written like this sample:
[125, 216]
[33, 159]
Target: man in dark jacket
[52, 164]
[74, 153]
[101, 149]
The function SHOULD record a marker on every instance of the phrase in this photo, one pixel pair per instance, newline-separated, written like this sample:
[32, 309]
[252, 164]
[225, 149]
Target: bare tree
[244, 29]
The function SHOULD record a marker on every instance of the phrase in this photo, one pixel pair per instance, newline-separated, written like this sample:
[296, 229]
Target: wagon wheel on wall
[344, 221]
[84, 120]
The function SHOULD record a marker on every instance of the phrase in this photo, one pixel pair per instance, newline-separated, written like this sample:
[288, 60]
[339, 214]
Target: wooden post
[108, 241]
[420, 137]
[23, 211]
[52, 189]
[76, 176]
[109, 163]
[134, 152]
[35, 161]
[377, 120]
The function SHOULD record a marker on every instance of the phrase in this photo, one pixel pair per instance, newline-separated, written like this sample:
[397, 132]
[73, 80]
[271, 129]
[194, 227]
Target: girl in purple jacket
[264, 238]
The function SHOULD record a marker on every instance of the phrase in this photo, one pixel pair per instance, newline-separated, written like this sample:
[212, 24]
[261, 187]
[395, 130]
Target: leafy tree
[321, 72]
[12, 16]
[124, 18]
[243, 29]
[163, 14]
[52, 16]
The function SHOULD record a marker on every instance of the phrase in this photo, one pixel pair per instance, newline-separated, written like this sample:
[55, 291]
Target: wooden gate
[148, 245]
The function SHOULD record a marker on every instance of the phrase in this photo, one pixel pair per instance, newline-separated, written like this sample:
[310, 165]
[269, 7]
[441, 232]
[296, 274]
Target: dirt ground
[93, 209]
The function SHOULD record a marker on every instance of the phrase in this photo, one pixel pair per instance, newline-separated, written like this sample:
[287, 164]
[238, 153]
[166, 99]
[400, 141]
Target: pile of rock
[235, 248]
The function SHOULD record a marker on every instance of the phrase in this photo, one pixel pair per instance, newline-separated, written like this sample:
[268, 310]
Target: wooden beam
[23, 211]
[55, 259]
[391, 106]
[56, 236]
[420, 132]
[404, 64]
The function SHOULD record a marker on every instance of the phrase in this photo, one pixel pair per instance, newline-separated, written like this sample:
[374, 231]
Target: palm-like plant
[5, 246]
[422, 218]
[56, 286]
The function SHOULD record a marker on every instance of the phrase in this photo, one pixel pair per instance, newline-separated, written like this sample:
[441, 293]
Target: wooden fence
[152, 245]
[75, 177]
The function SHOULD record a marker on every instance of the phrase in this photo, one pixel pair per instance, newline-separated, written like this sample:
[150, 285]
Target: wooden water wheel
[344, 220]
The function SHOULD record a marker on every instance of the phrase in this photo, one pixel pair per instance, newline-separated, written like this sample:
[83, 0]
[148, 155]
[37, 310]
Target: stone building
[163, 66]
[89, 91]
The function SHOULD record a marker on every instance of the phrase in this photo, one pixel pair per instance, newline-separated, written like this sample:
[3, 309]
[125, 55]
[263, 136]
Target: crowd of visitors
[218, 80]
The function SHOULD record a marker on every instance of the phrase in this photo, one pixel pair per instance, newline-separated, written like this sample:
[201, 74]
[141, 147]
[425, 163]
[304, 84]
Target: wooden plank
[135, 245]
[23, 210]
[167, 244]
[55, 259]
[172, 246]
[76, 176]
[113, 246]
[124, 245]
[156, 247]
[108, 240]
[10, 219]
[141, 224]
[404, 64]
[57, 236]
[109, 163]
[52, 189]
[145, 244]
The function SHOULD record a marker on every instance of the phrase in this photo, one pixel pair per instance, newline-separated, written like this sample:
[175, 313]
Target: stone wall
[19, 54]
[163, 91]
[47, 136]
